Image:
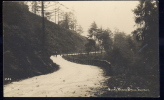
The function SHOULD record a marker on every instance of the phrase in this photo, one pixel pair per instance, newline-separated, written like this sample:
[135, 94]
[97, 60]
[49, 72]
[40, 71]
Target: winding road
[71, 80]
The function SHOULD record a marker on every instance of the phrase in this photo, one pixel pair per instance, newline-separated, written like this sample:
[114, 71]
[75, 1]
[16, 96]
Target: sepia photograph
[81, 48]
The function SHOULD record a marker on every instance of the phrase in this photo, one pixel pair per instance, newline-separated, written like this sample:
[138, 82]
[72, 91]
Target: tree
[65, 23]
[104, 39]
[35, 6]
[48, 15]
[146, 18]
[43, 25]
[123, 49]
[69, 22]
[90, 45]
[93, 31]
[79, 29]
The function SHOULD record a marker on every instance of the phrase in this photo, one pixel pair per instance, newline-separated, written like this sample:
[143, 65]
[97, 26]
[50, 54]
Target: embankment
[103, 64]
[24, 55]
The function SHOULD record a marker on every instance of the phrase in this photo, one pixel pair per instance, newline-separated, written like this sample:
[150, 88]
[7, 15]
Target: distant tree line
[53, 12]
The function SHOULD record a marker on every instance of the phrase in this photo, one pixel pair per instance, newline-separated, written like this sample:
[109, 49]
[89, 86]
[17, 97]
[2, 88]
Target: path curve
[71, 80]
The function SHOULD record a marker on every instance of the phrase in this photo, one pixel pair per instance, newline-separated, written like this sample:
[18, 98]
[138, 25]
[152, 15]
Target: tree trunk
[95, 51]
[101, 51]
[35, 6]
[43, 26]
[58, 15]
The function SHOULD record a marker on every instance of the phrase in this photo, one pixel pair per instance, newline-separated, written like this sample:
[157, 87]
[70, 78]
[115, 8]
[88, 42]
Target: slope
[23, 52]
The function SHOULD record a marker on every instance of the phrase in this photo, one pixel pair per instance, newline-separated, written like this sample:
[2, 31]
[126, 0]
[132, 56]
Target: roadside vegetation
[134, 57]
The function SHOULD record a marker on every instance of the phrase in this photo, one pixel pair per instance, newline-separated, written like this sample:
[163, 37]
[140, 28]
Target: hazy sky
[112, 14]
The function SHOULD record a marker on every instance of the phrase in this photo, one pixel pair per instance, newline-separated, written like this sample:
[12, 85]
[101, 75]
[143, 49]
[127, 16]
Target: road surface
[71, 80]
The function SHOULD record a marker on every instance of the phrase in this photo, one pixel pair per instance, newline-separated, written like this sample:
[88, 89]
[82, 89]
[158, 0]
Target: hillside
[23, 54]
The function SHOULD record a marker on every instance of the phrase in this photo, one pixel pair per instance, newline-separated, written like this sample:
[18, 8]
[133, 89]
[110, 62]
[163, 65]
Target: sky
[106, 14]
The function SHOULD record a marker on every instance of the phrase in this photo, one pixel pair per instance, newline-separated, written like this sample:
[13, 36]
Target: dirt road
[71, 80]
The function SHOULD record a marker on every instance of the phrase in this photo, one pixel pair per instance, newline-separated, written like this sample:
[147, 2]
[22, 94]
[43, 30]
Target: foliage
[123, 49]
[36, 6]
[104, 38]
[101, 37]
[146, 17]
[93, 31]
[79, 29]
[66, 22]
[90, 45]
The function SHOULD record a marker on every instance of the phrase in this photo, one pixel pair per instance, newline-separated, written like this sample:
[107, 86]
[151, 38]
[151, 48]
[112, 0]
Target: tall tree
[93, 31]
[104, 38]
[43, 24]
[65, 23]
[35, 6]
[146, 18]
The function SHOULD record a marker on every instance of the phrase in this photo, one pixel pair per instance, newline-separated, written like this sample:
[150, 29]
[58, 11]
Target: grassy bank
[134, 82]
[103, 64]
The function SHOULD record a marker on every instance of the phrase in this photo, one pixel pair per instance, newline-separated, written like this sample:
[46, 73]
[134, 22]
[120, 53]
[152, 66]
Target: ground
[71, 80]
